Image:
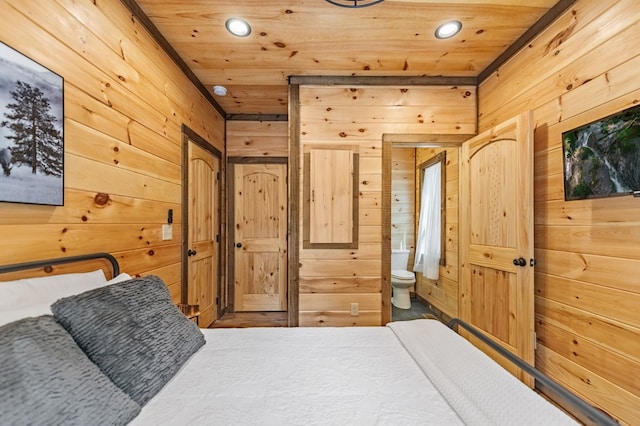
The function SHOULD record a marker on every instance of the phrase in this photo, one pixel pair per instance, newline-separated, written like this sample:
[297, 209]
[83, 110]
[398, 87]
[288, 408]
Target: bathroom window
[430, 246]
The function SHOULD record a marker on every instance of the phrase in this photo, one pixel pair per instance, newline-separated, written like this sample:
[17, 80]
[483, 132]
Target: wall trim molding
[552, 14]
[257, 117]
[348, 80]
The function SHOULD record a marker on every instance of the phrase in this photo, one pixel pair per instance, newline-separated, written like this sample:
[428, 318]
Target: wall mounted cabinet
[330, 198]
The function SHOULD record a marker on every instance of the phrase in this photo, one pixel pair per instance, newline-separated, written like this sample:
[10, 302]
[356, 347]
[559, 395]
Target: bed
[106, 348]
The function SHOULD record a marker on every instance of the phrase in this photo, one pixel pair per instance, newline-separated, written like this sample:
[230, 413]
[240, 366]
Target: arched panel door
[496, 236]
[260, 237]
[203, 244]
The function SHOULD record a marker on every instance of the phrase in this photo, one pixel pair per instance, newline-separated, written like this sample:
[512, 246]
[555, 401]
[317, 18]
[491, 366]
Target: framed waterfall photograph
[602, 158]
[31, 131]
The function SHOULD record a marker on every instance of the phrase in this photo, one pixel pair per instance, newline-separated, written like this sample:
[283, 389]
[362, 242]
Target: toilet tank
[399, 259]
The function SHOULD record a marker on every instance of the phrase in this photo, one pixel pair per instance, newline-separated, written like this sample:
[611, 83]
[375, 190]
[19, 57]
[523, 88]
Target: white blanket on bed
[345, 376]
[299, 376]
[481, 392]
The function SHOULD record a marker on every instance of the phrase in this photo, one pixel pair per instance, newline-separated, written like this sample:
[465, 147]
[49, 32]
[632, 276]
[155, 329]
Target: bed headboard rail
[582, 410]
[62, 265]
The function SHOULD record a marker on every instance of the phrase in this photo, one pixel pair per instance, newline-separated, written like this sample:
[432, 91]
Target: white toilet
[401, 279]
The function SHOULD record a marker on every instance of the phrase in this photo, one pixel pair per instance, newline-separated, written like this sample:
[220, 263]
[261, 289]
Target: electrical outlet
[355, 309]
[167, 233]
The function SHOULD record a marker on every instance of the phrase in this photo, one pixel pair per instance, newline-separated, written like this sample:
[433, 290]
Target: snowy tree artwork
[31, 131]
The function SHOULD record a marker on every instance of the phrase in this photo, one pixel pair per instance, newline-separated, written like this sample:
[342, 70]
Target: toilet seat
[402, 275]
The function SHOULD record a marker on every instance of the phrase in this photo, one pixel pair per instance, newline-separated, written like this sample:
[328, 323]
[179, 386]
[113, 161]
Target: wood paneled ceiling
[315, 38]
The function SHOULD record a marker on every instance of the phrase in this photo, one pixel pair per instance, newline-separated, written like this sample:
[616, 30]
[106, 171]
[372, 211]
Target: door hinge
[217, 238]
[217, 175]
[217, 300]
[535, 341]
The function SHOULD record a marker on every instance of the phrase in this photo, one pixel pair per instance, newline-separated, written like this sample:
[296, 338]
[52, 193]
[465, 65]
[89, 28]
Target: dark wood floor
[251, 319]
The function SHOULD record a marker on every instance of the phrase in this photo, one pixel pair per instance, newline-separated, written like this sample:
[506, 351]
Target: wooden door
[260, 237]
[496, 235]
[203, 245]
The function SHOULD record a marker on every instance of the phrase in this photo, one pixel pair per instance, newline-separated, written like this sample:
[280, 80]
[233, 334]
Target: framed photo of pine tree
[31, 131]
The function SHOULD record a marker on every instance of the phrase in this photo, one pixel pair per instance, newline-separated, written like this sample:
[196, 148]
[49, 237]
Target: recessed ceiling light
[220, 90]
[448, 29]
[238, 27]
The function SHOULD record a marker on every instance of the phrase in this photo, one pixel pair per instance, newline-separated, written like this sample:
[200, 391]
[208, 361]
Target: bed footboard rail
[63, 260]
[582, 410]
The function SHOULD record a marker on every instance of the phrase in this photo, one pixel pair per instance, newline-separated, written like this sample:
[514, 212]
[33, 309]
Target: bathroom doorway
[430, 297]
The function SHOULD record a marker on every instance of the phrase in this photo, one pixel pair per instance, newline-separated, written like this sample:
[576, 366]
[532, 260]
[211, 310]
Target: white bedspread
[299, 376]
[481, 391]
[345, 376]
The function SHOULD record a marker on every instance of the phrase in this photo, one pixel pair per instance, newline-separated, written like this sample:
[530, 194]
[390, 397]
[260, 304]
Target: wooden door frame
[232, 161]
[399, 140]
[190, 135]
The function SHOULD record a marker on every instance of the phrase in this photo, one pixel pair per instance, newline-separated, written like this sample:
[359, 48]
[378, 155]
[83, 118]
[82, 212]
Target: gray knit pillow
[46, 379]
[133, 332]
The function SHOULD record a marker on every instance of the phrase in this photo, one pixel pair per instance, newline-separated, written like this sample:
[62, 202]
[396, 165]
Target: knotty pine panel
[614, 336]
[581, 68]
[365, 251]
[619, 305]
[340, 285]
[339, 319]
[140, 260]
[614, 240]
[348, 131]
[387, 97]
[592, 357]
[560, 59]
[352, 268]
[86, 142]
[172, 277]
[612, 272]
[596, 390]
[409, 114]
[85, 173]
[597, 211]
[125, 103]
[91, 207]
[257, 139]
[339, 301]
[549, 187]
[45, 241]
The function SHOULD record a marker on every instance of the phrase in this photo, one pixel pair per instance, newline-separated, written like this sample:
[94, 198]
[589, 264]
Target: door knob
[238, 245]
[191, 252]
[519, 261]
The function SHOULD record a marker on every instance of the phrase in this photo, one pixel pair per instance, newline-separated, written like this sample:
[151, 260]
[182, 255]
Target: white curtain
[427, 259]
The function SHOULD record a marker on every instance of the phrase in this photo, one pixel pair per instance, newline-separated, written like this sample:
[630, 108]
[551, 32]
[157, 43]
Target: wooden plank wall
[403, 200]
[257, 138]
[583, 67]
[125, 102]
[442, 293]
[330, 280]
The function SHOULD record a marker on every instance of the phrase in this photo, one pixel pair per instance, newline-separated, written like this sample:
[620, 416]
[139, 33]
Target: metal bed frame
[579, 408]
[60, 261]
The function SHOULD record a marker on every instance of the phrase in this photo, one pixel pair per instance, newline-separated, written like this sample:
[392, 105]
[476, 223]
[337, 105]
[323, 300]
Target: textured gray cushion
[45, 379]
[133, 332]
